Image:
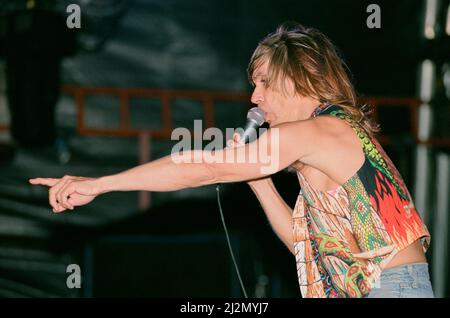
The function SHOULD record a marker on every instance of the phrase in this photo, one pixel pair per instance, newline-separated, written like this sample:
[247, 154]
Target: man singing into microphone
[354, 230]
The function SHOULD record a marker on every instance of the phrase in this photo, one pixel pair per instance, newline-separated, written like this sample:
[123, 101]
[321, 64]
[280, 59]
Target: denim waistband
[416, 269]
[408, 280]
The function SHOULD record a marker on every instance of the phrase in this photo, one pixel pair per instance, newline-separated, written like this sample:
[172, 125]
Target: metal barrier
[413, 106]
[207, 98]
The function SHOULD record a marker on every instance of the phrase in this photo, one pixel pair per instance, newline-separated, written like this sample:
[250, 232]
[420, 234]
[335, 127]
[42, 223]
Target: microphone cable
[229, 243]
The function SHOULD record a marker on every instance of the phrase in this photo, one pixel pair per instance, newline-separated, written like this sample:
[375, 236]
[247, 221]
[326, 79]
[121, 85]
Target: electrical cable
[229, 243]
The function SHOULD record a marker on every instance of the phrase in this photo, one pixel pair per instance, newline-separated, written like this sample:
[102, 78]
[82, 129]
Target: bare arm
[276, 209]
[273, 151]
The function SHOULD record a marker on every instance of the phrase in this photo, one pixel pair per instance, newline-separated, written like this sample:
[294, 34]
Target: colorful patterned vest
[344, 238]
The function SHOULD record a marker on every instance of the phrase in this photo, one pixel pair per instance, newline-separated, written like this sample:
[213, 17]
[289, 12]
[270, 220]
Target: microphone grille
[257, 115]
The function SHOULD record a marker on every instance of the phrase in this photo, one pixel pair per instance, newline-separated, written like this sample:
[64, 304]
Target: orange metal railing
[413, 107]
[207, 99]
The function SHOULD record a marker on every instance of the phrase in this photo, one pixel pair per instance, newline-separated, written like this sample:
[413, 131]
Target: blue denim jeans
[405, 281]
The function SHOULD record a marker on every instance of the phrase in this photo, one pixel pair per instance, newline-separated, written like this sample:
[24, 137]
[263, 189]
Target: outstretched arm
[272, 152]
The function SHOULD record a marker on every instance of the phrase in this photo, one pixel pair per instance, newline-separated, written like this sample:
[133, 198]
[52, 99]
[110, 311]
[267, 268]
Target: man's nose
[257, 97]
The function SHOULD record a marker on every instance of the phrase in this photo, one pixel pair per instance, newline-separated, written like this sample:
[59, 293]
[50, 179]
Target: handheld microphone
[255, 118]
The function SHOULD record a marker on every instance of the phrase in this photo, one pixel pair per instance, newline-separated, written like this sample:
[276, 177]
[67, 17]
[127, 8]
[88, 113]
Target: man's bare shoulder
[333, 147]
[332, 126]
[323, 129]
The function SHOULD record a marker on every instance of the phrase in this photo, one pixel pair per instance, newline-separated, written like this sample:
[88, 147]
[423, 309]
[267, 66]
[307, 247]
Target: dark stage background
[176, 247]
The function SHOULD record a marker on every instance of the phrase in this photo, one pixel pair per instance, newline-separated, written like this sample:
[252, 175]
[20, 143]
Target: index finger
[50, 182]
